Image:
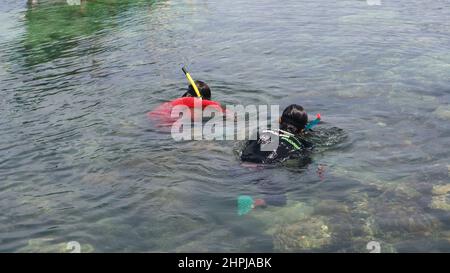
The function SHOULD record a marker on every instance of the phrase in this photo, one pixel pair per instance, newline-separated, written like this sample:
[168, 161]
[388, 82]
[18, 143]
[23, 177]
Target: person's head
[293, 119]
[203, 88]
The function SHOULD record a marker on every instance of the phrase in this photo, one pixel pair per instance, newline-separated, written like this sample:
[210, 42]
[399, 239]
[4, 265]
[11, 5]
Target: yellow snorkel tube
[191, 81]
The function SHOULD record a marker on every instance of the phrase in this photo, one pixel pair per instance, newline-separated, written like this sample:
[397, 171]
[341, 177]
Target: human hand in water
[246, 203]
[259, 203]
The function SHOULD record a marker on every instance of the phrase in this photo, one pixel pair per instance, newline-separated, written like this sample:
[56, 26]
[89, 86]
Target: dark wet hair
[293, 119]
[203, 88]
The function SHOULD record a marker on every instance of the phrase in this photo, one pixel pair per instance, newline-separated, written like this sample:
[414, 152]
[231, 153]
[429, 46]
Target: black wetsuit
[289, 146]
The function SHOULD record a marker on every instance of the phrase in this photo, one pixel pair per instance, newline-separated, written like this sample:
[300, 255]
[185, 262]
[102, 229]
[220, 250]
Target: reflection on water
[80, 161]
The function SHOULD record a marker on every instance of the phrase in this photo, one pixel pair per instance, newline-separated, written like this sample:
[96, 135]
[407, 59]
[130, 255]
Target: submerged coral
[443, 112]
[391, 217]
[397, 215]
[321, 225]
[294, 227]
[313, 233]
[273, 217]
[441, 189]
[402, 220]
[440, 197]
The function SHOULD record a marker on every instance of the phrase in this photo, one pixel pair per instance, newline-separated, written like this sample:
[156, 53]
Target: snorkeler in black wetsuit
[291, 145]
[291, 142]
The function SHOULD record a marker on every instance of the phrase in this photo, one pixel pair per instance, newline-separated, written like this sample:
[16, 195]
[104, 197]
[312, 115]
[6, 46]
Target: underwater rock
[363, 220]
[368, 226]
[363, 245]
[403, 187]
[366, 178]
[439, 200]
[272, 217]
[340, 221]
[446, 236]
[330, 207]
[407, 142]
[428, 70]
[424, 245]
[406, 191]
[441, 189]
[312, 233]
[360, 202]
[48, 245]
[400, 218]
[443, 112]
[393, 216]
[402, 98]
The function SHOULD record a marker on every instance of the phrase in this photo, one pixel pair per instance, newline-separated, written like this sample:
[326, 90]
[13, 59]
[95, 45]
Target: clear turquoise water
[80, 161]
